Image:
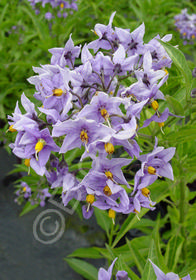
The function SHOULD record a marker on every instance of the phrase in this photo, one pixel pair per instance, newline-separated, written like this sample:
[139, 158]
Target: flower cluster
[123, 275]
[60, 7]
[38, 196]
[96, 107]
[186, 25]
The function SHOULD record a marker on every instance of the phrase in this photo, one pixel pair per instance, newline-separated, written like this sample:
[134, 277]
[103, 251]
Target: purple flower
[153, 165]
[107, 38]
[35, 145]
[160, 117]
[169, 276]
[106, 274]
[101, 107]
[132, 42]
[65, 56]
[43, 195]
[48, 16]
[122, 275]
[79, 132]
[120, 64]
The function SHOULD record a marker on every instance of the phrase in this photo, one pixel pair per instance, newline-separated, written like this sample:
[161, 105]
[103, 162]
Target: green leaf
[139, 260]
[27, 208]
[92, 253]
[148, 273]
[157, 246]
[159, 190]
[175, 104]
[83, 268]
[185, 134]
[180, 61]
[103, 220]
[3, 12]
[173, 251]
[127, 225]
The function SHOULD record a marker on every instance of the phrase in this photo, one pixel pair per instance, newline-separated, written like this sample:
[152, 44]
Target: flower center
[111, 214]
[104, 113]
[11, 129]
[24, 189]
[27, 162]
[109, 175]
[109, 148]
[84, 136]
[39, 146]
[155, 105]
[107, 191]
[62, 5]
[161, 124]
[57, 92]
[151, 170]
[90, 198]
[145, 192]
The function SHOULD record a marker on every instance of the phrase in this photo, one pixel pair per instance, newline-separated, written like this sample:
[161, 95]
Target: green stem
[111, 235]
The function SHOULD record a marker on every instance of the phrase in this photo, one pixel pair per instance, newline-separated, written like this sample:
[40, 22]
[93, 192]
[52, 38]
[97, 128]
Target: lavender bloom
[43, 195]
[122, 275]
[59, 7]
[20, 121]
[186, 25]
[154, 164]
[48, 16]
[65, 56]
[160, 117]
[160, 58]
[107, 38]
[120, 64]
[132, 42]
[79, 132]
[106, 274]
[101, 107]
[105, 191]
[89, 106]
[169, 276]
[112, 168]
[32, 143]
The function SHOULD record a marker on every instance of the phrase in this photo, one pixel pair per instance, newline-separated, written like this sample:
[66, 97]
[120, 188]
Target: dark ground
[21, 255]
